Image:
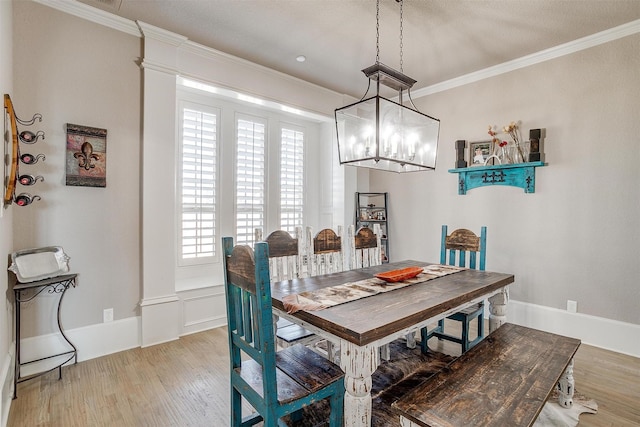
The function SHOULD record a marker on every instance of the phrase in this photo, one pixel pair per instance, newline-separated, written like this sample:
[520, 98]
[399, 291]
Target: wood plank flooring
[185, 383]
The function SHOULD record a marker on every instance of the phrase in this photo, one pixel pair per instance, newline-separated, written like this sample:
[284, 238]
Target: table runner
[340, 294]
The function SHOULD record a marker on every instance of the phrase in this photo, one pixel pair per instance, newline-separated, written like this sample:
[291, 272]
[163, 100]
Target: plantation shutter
[198, 184]
[250, 179]
[291, 179]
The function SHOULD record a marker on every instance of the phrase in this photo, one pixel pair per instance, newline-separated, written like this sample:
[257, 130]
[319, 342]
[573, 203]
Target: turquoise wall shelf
[522, 175]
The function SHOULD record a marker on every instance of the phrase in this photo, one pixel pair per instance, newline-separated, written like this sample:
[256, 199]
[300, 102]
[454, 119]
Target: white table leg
[411, 340]
[566, 386]
[275, 328]
[358, 364]
[498, 309]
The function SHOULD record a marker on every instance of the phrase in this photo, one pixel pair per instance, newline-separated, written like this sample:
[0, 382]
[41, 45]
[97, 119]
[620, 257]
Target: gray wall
[577, 236]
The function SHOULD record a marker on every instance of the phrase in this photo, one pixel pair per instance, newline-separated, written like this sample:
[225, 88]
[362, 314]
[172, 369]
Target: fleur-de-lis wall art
[86, 156]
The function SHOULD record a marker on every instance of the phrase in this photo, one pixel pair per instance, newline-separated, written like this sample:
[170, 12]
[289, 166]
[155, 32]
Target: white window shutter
[291, 179]
[250, 179]
[198, 184]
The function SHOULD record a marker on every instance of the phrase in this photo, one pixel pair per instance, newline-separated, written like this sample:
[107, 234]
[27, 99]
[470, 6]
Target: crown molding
[159, 34]
[93, 14]
[146, 64]
[130, 27]
[577, 45]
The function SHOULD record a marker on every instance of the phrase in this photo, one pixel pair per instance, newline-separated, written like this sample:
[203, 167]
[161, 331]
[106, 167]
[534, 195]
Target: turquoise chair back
[303, 377]
[463, 245]
[462, 248]
[249, 313]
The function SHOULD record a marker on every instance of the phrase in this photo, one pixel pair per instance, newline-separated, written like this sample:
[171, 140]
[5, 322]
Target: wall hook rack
[12, 156]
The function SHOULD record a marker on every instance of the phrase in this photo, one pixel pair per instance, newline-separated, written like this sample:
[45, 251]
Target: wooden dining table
[362, 326]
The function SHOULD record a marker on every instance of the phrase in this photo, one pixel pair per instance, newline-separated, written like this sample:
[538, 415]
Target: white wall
[576, 237]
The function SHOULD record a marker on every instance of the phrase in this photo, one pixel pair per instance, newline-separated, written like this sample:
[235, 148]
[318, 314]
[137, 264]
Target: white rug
[554, 415]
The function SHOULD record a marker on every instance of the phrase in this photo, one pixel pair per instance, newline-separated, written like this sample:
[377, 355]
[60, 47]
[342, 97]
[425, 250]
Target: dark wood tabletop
[368, 319]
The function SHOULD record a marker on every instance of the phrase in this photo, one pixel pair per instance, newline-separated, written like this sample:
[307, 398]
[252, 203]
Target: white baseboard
[608, 334]
[105, 338]
[91, 341]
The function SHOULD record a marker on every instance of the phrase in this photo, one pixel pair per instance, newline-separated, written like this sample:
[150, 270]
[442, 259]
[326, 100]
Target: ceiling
[442, 39]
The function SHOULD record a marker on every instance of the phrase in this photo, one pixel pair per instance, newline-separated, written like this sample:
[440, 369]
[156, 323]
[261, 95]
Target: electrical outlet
[572, 306]
[107, 315]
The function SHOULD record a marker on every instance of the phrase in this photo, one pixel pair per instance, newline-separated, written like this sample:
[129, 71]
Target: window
[240, 165]
[291, 179]
[199, 131]
[250, 178]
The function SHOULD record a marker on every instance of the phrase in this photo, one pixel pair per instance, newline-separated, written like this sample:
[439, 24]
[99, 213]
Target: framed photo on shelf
[479, 152]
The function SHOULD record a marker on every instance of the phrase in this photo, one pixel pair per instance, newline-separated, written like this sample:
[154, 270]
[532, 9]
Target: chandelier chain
[401, 59]
[377, 31]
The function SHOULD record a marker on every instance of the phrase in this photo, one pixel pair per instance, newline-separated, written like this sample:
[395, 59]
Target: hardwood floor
[185, 383]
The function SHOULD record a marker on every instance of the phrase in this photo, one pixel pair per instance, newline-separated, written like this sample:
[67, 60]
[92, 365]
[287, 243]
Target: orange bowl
[399, 275]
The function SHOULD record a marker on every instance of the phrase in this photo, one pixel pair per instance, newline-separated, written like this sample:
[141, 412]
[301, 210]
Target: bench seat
[505, 380]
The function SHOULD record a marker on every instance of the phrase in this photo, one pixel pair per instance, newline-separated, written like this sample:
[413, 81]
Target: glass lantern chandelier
[379, 133]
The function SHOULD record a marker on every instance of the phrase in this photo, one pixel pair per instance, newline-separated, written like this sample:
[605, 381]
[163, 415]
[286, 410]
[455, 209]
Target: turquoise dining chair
[457, 246]
[274, 383]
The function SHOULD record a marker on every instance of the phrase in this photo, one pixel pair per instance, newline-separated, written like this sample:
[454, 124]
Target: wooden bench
[505, 380]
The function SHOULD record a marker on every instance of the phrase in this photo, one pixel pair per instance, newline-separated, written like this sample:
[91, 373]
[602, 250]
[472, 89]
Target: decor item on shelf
[500, 154]
[536, 148]
[509, 152]
[86, 156]
[460, 161]
[513, 130]
[480, 153]
[382, 134]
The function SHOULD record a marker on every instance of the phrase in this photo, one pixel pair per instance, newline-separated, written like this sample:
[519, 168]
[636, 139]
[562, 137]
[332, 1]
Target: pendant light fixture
[379, 133]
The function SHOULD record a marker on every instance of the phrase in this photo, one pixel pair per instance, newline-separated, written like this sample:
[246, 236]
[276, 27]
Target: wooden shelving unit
[371, 209]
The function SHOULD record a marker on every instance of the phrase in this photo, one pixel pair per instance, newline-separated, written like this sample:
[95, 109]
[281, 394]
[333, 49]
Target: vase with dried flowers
[509, 153]
[500, 147]
[513, 130]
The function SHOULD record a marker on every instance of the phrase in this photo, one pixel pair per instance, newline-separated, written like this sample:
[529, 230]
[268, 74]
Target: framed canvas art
[86, 156]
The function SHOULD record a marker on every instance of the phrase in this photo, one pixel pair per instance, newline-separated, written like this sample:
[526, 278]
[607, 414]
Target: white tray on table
[30, 265]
